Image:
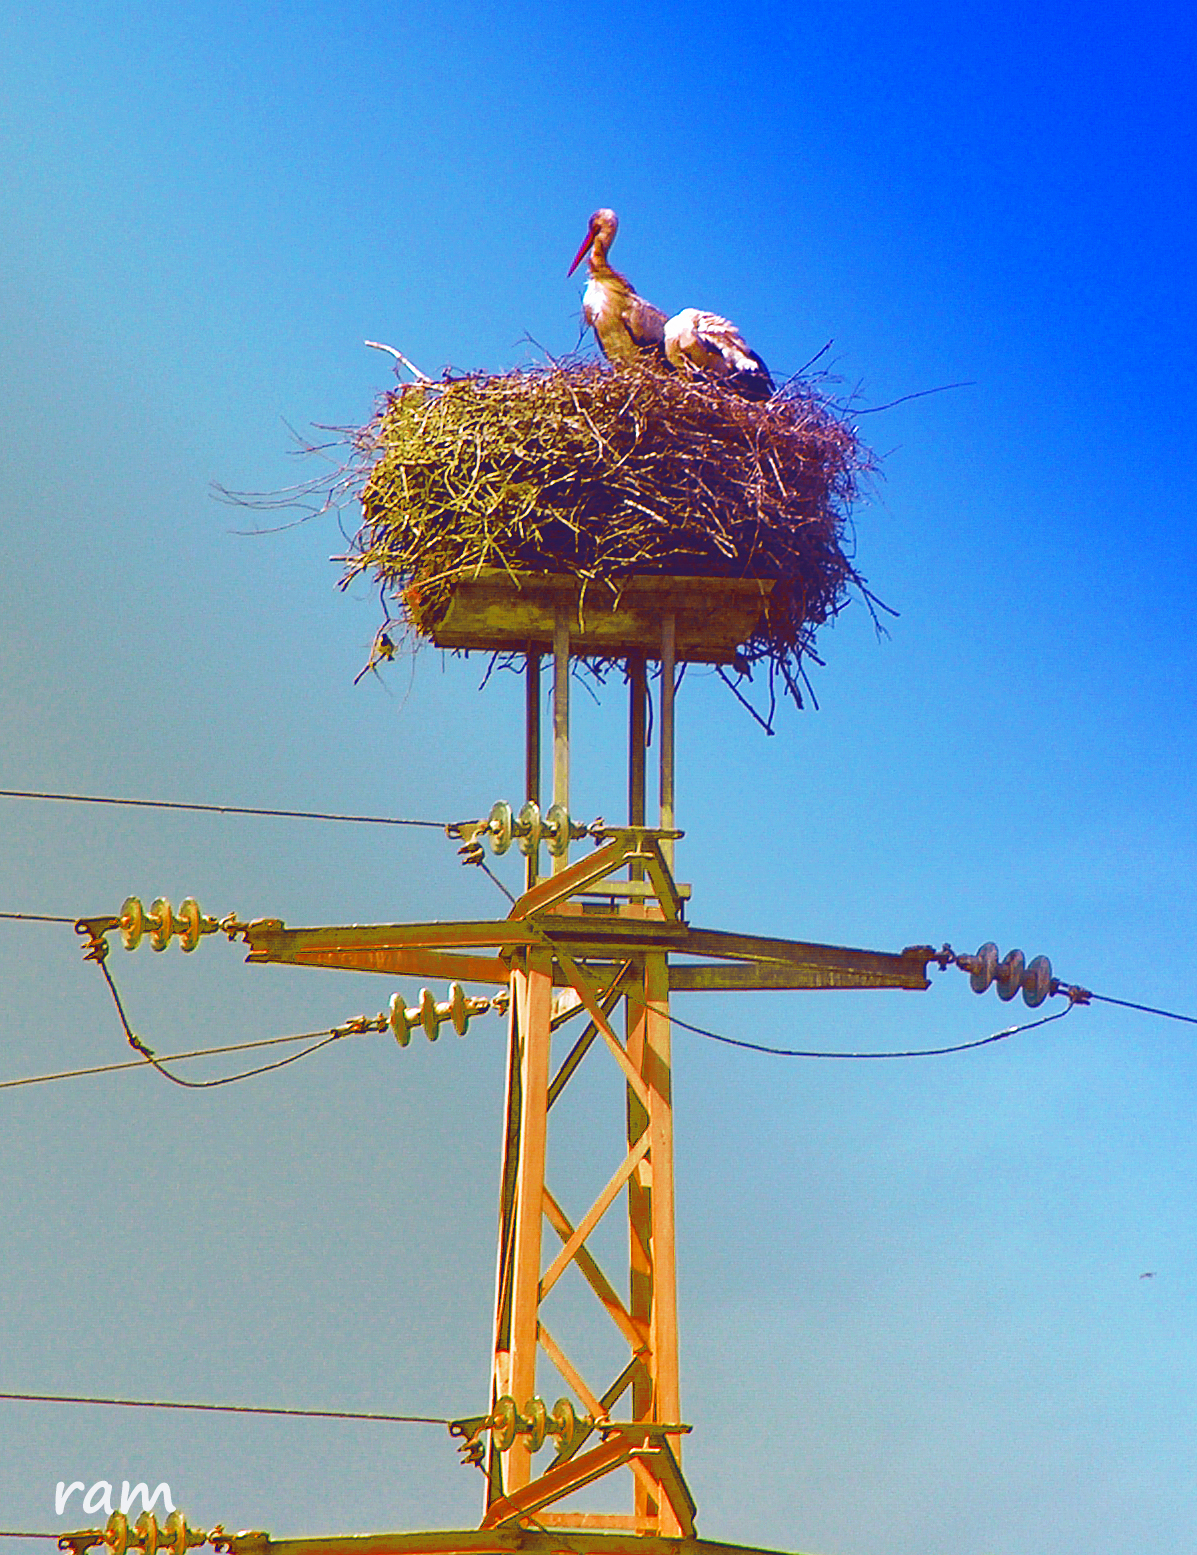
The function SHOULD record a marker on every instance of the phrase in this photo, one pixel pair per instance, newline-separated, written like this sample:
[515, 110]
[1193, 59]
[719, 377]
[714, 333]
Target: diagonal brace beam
[594, 1214]
[579, 980]
[636, 1337]
[597, 1408]
[581, 1047]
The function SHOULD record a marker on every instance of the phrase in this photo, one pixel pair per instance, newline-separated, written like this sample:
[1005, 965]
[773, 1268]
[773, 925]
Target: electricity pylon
[608, 928]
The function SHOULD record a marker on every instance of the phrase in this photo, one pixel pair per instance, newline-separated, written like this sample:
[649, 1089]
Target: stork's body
[704, 342]
[628, 328]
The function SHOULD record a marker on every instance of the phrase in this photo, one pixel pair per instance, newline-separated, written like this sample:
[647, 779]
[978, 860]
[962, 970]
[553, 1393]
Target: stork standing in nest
[628, 328]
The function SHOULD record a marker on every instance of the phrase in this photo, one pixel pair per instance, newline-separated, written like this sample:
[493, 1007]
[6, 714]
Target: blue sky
[912, 1312]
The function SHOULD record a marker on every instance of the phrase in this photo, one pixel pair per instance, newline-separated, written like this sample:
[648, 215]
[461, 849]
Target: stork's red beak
[587, 244]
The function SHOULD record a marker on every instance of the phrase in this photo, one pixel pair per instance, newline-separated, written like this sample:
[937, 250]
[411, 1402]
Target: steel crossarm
[747, 961]
[435, 949]
[730, 961]
[413, 949]
[511, 1539]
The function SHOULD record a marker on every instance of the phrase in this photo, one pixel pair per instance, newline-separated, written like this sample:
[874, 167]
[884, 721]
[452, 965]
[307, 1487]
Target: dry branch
[603, 472]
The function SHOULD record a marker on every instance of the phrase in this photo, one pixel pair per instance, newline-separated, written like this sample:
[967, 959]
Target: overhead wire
[920, 1052]
[168, 1058]
[220, 809]
[246, 1074]
[35, 917]
[227, 1409]
[1148, 1009]
[334, 1035]
[487, 870]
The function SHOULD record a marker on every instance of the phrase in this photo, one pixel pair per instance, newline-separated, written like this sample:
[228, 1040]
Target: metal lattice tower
[606, 929]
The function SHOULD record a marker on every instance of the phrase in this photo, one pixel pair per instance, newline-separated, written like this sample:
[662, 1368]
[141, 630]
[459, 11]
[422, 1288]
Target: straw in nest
[609, 471]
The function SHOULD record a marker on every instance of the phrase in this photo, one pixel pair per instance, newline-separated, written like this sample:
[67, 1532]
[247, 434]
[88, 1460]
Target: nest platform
[506, 612]
[619, 493]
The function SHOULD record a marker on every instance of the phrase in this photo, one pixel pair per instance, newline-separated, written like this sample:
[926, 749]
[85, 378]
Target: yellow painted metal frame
[607, 940]
[554, 938]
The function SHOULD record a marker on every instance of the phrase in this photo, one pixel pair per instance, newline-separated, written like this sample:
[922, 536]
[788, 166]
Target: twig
[377, 345]
[871, 410]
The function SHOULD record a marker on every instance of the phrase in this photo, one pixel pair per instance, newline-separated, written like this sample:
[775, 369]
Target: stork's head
[604, 224]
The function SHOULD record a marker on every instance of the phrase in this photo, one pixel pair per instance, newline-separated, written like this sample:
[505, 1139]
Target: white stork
[706, 343]
[628, 328]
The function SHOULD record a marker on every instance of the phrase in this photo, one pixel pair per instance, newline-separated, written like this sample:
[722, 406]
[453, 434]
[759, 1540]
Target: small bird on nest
[629, 329]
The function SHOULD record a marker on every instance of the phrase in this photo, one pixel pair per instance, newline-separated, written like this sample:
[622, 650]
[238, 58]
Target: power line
[225, 1409]
[219, 809]
[486, 870]
[922, 1052]
[169, 1058]
[147, 1053]
[246, 1074]
[1147, 1009]
[35, 917]
[333, 1035]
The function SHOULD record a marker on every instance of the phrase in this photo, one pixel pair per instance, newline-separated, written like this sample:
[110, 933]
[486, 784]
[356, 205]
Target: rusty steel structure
[606, 929]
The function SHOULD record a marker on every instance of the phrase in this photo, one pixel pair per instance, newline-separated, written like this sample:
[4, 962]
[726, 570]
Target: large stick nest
[606, 471]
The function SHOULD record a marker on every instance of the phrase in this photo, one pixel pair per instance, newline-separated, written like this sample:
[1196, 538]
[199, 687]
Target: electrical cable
[219, 809]
[138, 1046]
[1147, 1009]
[922, 1052]
[486, 870]
[246, 1074]
[35, 917]
[169, 1058]
[226, 1409]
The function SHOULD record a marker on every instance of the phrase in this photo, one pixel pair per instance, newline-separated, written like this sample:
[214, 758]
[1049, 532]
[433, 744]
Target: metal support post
[561, 724]
[637, 726]
[637, 701]
[652, 1266]
[521, 1208]
[668, 640]
[532, 743]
